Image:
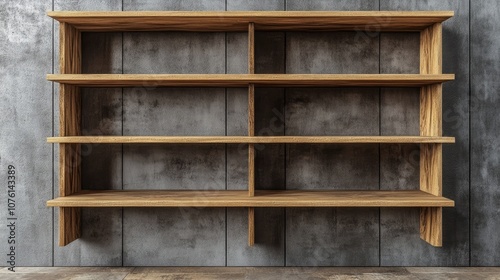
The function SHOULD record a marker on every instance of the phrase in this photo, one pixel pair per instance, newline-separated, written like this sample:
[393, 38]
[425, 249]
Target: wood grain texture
[264, 20]
[251, 226]
[224, 198]
[69, 225]
[431, 110]
[431, 46]
[69, 125]
[431, 156]
[249, 139]
[431, 162]
[431, 230]
[251, 48]
[243, 80]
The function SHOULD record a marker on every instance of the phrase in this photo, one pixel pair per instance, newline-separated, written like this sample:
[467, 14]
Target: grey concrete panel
[269, 161]
[173, 52]
[267, 5]
[485, 178]
[399, 229]
[329, 231]
[399, 114]
[269, 237]
[331, 237]
[101, 241]
[174, 237]
[326, 5]
[26, 106]
[173, 167]
[173, 111]
[173, 5]
[236, 53]
[324, 111]
[332, 167]
[331, 53]
[184, 236]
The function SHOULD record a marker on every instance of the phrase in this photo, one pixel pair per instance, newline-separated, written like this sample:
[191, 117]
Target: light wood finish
[249, 139]
[431, 47]
[264, 20]
[431, 155]
[431, 162]
[251, 226]
[431, 221]
[243, 80]
[69, 224]
[69, 125]
[262, 198]
[431, 110]
[251, 48]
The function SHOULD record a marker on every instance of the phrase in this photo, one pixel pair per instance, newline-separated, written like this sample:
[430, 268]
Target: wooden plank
[431, 155]
[251, 48]
[251, 226]
[430, 231]
[69, 225]
[69, 125]
[243, 80]
[431, 162]
[431, 110]
[431, 45]
[262, 198]
[249, 139]
[264, 20]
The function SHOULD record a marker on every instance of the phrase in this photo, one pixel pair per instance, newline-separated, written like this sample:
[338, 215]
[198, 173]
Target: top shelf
[263, 20]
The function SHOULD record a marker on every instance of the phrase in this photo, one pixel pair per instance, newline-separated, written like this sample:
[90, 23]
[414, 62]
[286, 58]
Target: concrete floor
[287, 273]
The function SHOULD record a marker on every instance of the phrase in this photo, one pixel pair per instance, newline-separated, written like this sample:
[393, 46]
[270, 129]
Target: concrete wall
[217, 237]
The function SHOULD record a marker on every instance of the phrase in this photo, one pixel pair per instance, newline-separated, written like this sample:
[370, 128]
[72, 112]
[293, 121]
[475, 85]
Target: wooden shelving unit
[429, 198]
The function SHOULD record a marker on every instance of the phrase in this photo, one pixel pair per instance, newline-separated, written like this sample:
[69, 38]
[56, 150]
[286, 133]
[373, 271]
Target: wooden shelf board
[263, 20]
[249, 139]
[243, 80]
[289, 198]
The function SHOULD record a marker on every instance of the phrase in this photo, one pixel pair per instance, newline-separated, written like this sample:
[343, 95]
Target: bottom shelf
[275, 198]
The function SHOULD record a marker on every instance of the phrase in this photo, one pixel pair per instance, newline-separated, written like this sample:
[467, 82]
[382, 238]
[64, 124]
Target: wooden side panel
[431, 220]
[431, 155]
[69, 225]
[431, 110]
[251, 226]
[69, 125]
[236, 21]
[431, 162]
[431, 46]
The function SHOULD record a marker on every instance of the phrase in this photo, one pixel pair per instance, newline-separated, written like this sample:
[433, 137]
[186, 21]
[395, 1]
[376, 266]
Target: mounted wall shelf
[250, 139]
[243, 80]
[429, 198]
[288, 198]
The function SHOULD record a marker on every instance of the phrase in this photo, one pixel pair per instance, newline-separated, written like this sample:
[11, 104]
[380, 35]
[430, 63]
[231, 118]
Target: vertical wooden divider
[69, 125]
[251, 132]
[431, 226]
